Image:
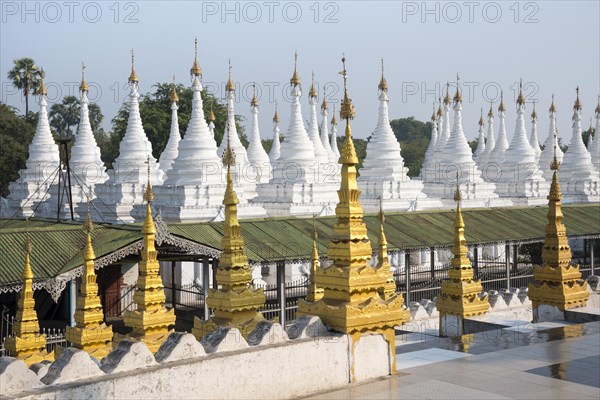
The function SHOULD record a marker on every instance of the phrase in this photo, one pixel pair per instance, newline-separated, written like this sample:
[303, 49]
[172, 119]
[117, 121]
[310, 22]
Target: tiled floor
[533, 361]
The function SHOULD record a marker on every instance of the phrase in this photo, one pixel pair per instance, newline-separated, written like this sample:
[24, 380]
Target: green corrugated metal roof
[57, 246]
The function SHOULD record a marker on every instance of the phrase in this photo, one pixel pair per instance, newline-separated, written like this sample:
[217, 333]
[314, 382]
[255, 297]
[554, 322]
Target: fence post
[205, 284]
[585, 251]
[407, 276]
[215, 266]
[281, 291]
[592, 256]
[476, 261]
[515, 255]
[507, 264]
[173, 283]
[432, 262]
[72, 301]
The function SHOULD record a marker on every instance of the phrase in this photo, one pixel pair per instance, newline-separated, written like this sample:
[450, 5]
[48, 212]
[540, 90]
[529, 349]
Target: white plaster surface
[267, 332]
[128, 355]
[179, 346]
[451, 325]
[307, 327]
[40, 368]
[72, 364]
[15, 376]
[224, 339]
[368, 348]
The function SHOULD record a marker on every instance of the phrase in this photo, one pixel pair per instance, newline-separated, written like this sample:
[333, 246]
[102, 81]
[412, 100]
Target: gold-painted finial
[383, 85]
[381, 213]
[457, 193]
[42, 88]
[196, 70]
[324, 105]
[254, 101]
[457, 95]
[347, 111]
[228, 154]
[83, 86]
[27, 247]
[490, 113]
[520, 97]
[555, 164]
[133, 78]
[447, 96]
[440, 112]
[501, 107]
[230, 87]
[211, 115]
[533, 113]
[597, 111]
[88, 225]
[481, 117]
[295, 80]
[174, 98]
[312, 92]
[577, 105]
[276, 115]
[552, 106]
[333, 117]
[433, 116]
[149, 192]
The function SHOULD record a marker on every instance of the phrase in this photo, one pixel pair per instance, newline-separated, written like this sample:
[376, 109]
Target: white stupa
[533, 139]
[520, 179]
[490, 142]
[383, 175]
[257, 156]
[430, 171]
[40, 176]
[595, 146]
[211, 122]
[169, 154]
[334, 143]
[577, 168]
[550, 146]
[457, 159]
[298, 187]
[276, 146]
[194, 188]
[591, 136]
[496, 156]
[313, 126]
[433, 140]
[325, 131]
[480, 140]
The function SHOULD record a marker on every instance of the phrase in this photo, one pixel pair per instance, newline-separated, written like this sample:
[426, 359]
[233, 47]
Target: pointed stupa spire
[313, 127]
[499, 151]
[351, 301]
[591, 135]
[595, 146]
[276, 146]
[135, 146]
[169, 154]
[150, 319]
[480, 140]
[239, 149]
[533, 139]
[211, 122]
[577, 162]
[256, 152]
[90, 334]
[325, 141]
[334, 143]
[234, 301]
[314, 292]
[383, 85]
[383, 262]
[520, 152]
[443, 127]
[490, 141]
[457, 149]
[551, 147]
[86, 162]
[198, 147]
[383, 161]
[432, 141]
[297, 146]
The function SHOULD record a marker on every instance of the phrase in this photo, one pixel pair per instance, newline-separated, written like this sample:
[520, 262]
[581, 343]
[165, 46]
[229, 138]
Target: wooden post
[205, 285]
[476, 261]
[432, 262]
[281, 291]
[407, 276]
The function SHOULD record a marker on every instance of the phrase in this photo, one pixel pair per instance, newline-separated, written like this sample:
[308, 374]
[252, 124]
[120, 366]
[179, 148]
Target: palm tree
[26, 76]
[65, 115]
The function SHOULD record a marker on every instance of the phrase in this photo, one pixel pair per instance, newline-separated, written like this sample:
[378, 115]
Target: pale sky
[553, 45]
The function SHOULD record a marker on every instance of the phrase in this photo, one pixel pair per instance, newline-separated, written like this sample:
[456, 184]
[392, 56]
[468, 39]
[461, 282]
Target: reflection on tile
[585, 371]
[424, 357]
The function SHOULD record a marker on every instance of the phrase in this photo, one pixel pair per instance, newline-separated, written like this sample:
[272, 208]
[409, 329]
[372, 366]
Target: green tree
[26, 76]
[64, 116]
[414, 137]
[16, 133]
[587, 134]
[155, 111]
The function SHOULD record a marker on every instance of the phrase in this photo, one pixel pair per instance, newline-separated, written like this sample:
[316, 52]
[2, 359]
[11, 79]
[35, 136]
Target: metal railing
[115, 308]
[185, 297]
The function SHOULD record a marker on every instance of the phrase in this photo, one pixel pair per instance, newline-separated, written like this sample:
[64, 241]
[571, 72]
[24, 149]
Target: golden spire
[433, 116]
[552, 106]
[230, 87]
[533, 113]
[83, 87]
[211, 115]
[383, 85]
[501, 107]
[491, 112]
[597, 111]
[347, 111]
[276, 115]
[577, 105]
[88, 226]
[333, 117]
[174, 98]
[148, 193]
[314, 292]
[312, 92]
[133, 78]
[382, 256]
[459, 247]
[295, 80]
[457, 95]
[481, 117]
[324, 105]
[42, 89]
[254, 101]
[195, 70]
[520, 97]
[440, 112]
[447, 96]
[27, 246]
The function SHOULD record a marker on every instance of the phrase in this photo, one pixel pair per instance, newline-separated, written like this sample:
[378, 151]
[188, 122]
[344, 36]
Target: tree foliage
[64, 116]
[414, 137]
[27, 77]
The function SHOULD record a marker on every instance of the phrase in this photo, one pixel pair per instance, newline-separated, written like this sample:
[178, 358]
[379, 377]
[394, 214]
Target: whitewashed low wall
[281, 368]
